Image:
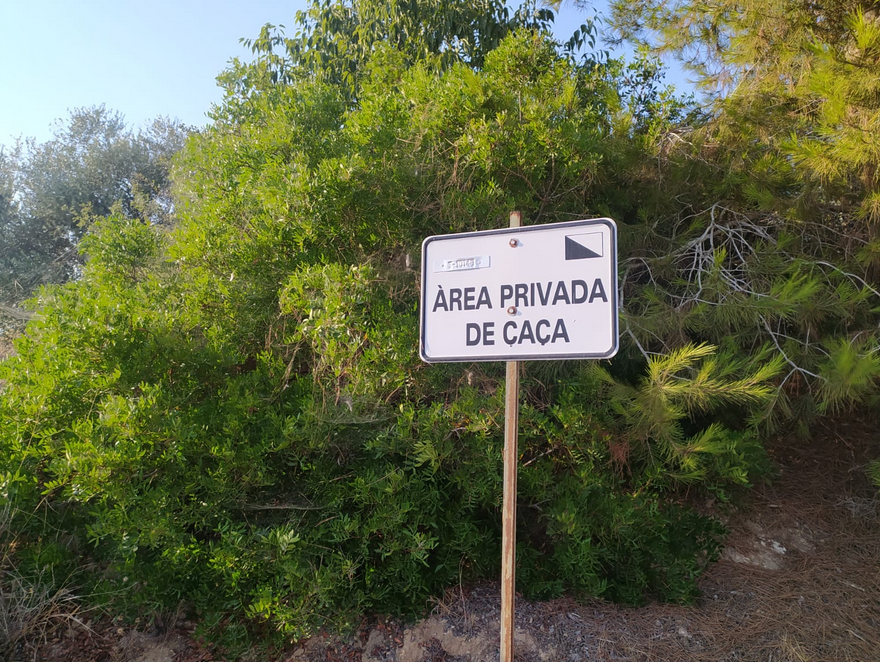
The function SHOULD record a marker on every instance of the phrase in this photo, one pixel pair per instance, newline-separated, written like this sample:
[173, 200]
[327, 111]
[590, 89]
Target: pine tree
[801, 80]
[779, 185]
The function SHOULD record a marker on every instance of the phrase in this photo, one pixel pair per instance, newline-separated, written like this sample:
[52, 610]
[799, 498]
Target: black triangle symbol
[574, 251]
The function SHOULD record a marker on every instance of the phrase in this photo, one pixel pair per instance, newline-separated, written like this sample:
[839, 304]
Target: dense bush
[232, 416]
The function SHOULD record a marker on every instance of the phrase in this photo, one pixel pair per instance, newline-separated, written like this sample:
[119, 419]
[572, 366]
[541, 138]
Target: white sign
[535, 292]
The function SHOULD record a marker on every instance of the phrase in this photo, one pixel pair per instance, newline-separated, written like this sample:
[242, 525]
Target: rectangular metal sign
[529, 293]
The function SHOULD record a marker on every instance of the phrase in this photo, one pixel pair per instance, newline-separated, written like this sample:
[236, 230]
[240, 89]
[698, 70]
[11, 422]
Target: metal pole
[508, 513]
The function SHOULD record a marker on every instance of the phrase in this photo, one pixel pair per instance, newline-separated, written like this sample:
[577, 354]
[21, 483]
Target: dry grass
[31, 611]
[6, 348]
[31, 608]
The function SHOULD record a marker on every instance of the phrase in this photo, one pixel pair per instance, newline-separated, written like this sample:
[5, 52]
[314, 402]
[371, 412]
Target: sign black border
[523, 357]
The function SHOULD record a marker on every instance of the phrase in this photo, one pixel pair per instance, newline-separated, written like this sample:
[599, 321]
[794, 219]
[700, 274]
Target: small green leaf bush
[231, 418]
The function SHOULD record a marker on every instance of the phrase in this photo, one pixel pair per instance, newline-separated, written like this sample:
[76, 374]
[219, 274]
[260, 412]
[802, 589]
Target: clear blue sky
[144, 59]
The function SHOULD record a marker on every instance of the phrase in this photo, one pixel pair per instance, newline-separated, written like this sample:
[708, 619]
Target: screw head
[511, 310]
[513, 243]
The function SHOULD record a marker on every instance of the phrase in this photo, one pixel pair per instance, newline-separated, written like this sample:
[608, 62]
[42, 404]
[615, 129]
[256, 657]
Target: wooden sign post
[536, 293]
[508, 507]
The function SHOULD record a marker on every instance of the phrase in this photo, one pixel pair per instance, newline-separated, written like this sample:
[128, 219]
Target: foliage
[336, 38]
[778, 233]
[239, 420]
[231, 418]
[52, 191]
[874, 472]
[802, 99]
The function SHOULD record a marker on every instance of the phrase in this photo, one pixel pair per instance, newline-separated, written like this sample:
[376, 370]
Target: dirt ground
[799, 581]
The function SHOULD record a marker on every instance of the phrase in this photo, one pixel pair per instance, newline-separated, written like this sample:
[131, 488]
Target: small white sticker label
[463, 263]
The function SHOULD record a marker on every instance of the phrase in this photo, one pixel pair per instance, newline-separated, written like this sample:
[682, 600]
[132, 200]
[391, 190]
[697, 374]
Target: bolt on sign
[528, 293]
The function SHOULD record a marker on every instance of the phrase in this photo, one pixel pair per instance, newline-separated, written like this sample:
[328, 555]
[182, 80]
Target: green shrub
[303, 491]
[233, 418]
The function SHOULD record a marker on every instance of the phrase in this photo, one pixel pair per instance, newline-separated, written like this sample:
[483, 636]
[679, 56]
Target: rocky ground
[799, 580]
